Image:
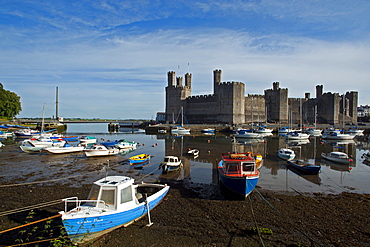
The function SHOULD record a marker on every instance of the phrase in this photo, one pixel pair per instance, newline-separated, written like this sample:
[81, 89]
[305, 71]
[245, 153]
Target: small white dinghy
[286, 154]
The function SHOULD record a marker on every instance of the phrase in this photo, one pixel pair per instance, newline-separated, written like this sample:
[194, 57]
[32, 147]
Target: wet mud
[191, 214]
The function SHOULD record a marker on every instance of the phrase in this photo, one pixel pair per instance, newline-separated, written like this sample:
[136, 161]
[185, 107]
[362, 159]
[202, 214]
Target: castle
[228, 104]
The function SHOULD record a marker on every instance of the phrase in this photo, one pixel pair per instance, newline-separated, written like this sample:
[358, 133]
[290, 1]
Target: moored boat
[170, 163]
[295, 135]
[304, 166]
[286, 154]
[87, 139]
[64, 149]
[100, 150]
[114, 201]
[123, 144]
[193, 152]
[366, 156]
[180, 130]
[338, 157]
[208, 130]
[248, 134]
[140, 158]
[238, 172]
[337, 136]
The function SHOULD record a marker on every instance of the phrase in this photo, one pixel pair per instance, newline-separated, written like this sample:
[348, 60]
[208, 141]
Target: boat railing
[78, 202]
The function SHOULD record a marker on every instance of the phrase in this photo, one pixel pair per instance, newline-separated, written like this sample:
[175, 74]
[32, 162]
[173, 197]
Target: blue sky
[110, 58]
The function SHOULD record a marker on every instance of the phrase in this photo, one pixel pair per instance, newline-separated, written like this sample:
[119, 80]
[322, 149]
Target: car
[362, 124]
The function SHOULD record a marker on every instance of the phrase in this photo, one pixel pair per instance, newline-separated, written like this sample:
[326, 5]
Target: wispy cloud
[111, 58]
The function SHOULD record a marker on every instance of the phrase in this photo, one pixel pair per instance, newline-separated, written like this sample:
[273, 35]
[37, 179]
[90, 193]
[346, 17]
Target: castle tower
[217, 77]
[188, 80]
[176, 94]
[319, 91]
[171, 75]
[277, 104]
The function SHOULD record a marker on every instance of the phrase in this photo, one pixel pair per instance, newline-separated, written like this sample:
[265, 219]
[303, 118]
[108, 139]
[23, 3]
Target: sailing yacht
[180, 129]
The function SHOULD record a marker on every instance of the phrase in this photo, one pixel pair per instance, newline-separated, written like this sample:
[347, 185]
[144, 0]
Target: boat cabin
[171, 159]
[242, 164]
[339, 155]
[114, 192]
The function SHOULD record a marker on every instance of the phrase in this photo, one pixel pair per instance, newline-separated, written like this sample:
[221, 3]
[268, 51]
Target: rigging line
[288, 220]
[28, 224]
[340, 187]
[255, 222]
[45, 181]
[39, 241]
[18, 210]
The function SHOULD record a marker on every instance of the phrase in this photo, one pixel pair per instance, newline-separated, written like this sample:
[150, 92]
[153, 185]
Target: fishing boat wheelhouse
[238, 172]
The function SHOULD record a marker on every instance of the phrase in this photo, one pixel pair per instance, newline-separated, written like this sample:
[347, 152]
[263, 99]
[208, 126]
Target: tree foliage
[10, 103]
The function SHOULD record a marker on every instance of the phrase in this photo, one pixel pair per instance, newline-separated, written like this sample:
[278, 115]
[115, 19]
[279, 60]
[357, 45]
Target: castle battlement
[229, 103]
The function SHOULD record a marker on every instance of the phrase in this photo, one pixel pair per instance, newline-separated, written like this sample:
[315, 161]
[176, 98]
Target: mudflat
[190, 215]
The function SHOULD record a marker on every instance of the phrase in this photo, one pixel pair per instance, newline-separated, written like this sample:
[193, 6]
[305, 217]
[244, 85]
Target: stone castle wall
[228, 104]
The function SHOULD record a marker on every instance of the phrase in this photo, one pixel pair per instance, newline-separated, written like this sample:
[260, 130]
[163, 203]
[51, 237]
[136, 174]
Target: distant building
[161, 117]
[228, 104]
[363, 111]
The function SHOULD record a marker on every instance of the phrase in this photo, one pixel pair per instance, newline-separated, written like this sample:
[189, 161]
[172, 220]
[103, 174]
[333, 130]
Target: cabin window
[248, 167]
[126, 194]
[232, 167]
[107, 196]
[94, 193]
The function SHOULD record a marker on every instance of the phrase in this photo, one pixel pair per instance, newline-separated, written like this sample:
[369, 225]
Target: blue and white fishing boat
[238, 172]
[114, 201]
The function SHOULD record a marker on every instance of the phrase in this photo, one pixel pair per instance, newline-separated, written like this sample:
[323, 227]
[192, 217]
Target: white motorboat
[296, 136]
[114, 201]
[338, 157]
[263, 130]
[180, 130]
[123, 144]
[208, 130]
[100, 150]
[65, 149]
[337, 136]
[312, 131]
[355, 131]
[32, 145]
[284, 130]
[170, 163]
[87, 139]
[1, 145]
[286, 154]
[248, 134]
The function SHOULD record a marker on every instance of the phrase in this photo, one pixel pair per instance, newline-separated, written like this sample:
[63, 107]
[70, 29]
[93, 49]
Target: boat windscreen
[248, 167]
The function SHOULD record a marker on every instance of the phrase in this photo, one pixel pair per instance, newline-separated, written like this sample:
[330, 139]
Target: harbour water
[275, 174]
[201, 171]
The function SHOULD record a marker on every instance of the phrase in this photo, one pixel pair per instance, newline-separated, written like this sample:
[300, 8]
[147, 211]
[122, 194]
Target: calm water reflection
[275, 175]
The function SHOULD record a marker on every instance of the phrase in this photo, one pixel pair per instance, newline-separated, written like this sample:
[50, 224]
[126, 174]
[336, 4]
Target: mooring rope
[31, 223]
[18, 210]
[255, 222]
[288, 220]
[46, 181]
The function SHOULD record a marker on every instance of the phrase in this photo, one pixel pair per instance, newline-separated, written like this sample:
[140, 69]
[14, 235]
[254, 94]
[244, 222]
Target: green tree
[10, 103]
